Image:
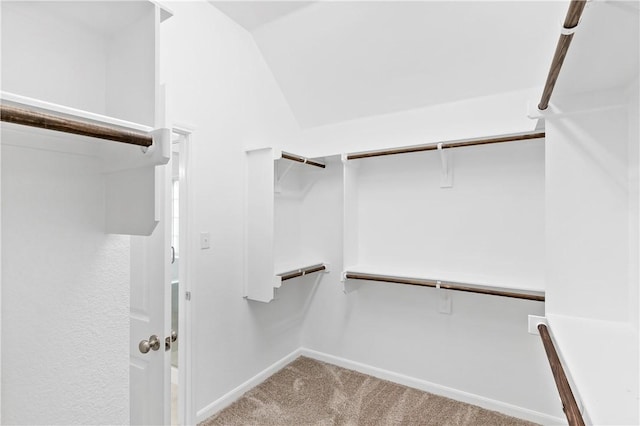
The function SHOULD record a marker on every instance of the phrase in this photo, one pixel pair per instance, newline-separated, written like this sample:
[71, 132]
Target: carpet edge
[412, 382]
[423, 385]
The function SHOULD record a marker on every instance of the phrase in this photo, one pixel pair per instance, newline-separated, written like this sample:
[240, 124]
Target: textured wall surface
[65, 294]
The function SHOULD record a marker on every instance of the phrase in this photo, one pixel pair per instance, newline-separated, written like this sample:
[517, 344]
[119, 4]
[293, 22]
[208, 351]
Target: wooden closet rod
[431, 147]
[304, 271]
[26, 117]
[443, 284]
[304, 160]
[569, 406]
[576, 7]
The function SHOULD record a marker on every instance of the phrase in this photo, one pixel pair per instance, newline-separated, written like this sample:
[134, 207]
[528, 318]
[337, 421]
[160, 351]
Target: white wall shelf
[104, 72]
[366, 274]
[129, 170]
[116, 156]
[278, 184]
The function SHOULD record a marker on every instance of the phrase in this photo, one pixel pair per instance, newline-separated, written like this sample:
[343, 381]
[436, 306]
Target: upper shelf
[76, 117]
[295, 174]
[447, 144]
[454, 282]
[64, 129]
[301, 159]
[130, 188]
[83, 79]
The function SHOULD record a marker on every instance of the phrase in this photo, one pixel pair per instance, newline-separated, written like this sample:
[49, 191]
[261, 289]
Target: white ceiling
[337, 61]
[253, 14]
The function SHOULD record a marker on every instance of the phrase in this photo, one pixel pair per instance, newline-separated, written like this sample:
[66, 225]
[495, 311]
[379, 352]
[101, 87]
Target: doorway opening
[180, 289]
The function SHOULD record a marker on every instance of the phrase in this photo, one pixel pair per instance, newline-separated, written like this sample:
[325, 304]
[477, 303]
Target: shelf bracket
[348, 286]
[278, 184]
[446, 177]
[444, 299]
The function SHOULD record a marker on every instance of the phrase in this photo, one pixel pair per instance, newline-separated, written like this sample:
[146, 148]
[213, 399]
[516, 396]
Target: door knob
[172, 338]
[146, 345]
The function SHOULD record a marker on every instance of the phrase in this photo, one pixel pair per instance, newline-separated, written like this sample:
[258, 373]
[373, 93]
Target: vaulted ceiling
[337, 61]
[253, 14]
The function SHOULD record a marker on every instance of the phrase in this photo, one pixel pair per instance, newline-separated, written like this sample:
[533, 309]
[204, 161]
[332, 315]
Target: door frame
[186, 408]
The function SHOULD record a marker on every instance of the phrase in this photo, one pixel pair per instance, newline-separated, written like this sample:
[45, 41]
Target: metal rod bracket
[534, 320]
[568, 31]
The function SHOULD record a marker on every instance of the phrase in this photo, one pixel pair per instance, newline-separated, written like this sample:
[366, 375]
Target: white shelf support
[446, 178]
[444, 300]
[279, 179]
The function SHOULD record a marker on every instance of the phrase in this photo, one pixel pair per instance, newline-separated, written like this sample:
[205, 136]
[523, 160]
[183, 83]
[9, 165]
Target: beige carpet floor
[309, 392]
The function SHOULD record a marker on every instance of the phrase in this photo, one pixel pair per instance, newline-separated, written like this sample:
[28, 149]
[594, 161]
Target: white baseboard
[458, 395]
[230, 397]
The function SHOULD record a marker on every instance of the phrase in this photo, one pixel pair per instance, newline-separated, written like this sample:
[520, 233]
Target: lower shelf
[601, 360]
[449, 285]
[302, 271]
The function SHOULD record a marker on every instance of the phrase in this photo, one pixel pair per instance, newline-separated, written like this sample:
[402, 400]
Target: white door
[150, 372]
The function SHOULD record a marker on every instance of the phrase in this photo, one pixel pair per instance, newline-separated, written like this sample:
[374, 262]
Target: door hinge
[187, 295]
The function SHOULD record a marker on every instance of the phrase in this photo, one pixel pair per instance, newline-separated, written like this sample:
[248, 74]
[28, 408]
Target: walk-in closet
[320, 212]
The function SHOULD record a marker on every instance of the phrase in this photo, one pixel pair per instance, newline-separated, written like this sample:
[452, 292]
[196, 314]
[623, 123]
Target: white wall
[221, 86]
[340, 60]
[65, 293]
[587, 188]
[483, 347]
[472, 118]
[130, 91]
[54, 61]
[488, 228]
[90, 56]
[592, 248]
[633, 105]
